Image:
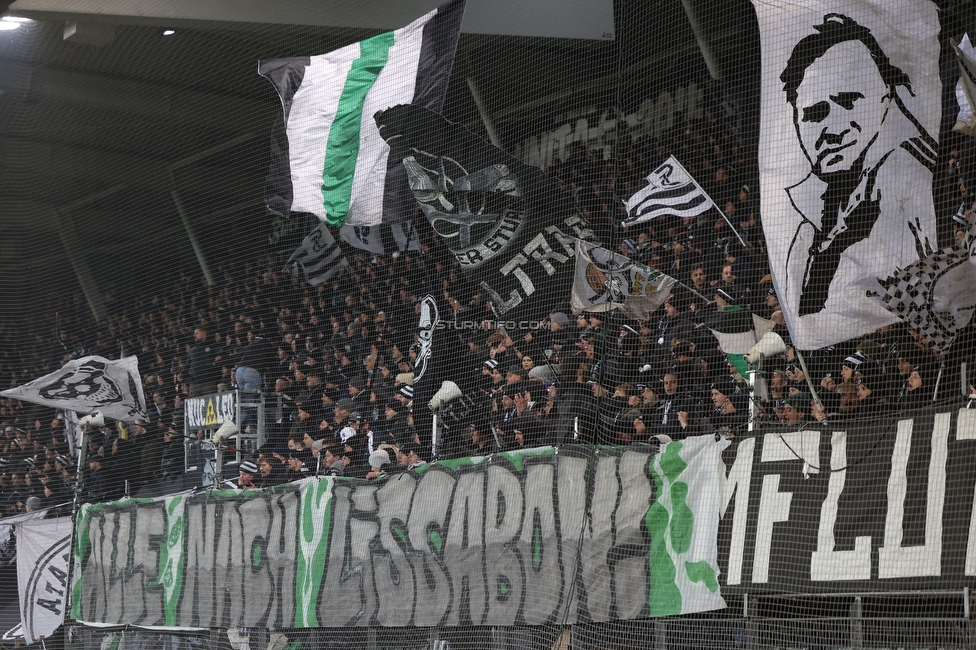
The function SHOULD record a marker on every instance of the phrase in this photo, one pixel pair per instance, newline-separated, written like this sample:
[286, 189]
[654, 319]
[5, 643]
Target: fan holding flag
[671, 190]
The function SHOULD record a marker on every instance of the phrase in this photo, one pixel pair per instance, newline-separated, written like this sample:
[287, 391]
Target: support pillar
[703, 44]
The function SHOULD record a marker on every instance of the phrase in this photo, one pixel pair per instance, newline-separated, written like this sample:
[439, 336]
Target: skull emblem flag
[508, 225]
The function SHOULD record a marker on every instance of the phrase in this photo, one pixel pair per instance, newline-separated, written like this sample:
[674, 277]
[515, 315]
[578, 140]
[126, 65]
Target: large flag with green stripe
[329, 159]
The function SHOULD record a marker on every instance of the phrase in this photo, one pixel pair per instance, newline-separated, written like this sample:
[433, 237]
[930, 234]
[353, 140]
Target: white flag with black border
[89, 384]
[43, 550]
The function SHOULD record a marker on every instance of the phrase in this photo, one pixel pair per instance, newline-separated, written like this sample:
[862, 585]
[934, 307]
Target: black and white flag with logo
[384, 239]
[318, 258]
[606, 281]
[670, 190]
[367, 238]
[89, 384]
[935, 294]
[510, 228]
[430, 318]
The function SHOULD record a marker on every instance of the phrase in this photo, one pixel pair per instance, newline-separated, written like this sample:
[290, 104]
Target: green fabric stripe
[171, 561]
[311, 567]
[342, 150]
[82, 544]
[665, 596]
[739, 363]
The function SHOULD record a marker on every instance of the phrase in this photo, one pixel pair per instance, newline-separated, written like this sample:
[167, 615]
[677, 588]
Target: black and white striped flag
[318, 258]
[383, 239]
[670, 190]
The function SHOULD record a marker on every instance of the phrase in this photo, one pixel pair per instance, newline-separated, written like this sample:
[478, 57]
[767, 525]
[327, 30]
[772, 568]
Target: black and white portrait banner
[850, 111]
[89, 384]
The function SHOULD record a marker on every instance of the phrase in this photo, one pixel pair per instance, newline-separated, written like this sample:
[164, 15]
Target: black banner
[511, 230]
[210, 411]
[846, 507]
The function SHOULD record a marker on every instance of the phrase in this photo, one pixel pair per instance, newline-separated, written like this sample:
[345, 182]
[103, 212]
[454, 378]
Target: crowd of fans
[341, 355]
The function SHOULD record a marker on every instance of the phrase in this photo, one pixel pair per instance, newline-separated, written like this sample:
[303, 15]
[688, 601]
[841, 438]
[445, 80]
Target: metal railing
[858, 621]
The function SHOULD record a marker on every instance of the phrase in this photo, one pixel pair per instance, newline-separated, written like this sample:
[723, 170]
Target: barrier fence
[853, 535]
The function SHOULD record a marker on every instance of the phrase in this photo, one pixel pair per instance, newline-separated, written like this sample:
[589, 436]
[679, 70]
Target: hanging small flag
[737, 332]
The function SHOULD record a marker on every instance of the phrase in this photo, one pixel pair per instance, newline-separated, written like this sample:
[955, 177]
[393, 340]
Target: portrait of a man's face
[850, 100]
[838, 117]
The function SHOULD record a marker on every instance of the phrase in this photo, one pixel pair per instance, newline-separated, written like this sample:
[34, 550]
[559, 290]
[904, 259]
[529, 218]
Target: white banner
[89, 384]
[850, 111]
[618, 534]
[210, 411]
[682, 523]
[43, 549]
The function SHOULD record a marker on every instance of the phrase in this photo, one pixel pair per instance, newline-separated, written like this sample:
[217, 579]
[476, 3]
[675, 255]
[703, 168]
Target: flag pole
[75, 506]
[734, 229]
[806, 373]
[806, 376]
[685, 286]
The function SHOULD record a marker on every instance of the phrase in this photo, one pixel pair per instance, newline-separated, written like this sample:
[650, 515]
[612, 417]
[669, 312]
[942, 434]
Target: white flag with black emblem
[89, 384]
[606, 281]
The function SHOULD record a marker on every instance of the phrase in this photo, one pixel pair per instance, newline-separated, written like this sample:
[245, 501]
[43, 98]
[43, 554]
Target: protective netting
[551, 325]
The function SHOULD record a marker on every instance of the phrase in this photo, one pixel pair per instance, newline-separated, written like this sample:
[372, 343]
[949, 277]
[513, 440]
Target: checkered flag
[934, 295]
